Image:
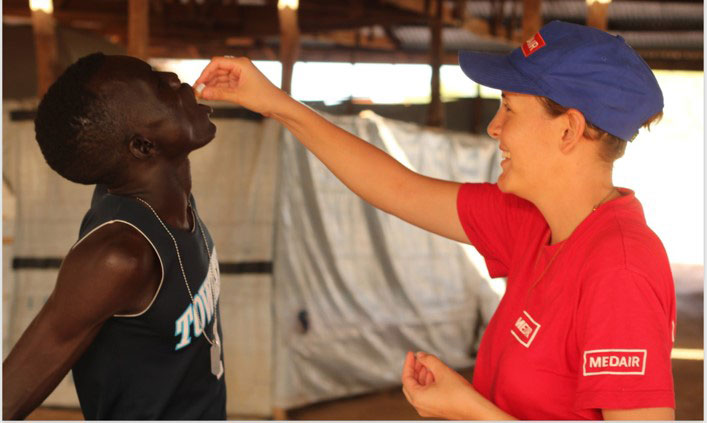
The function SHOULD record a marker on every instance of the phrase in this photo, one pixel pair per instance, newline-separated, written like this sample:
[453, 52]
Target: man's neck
[166, 188]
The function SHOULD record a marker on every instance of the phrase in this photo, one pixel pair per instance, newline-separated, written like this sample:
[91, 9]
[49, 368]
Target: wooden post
[279, 413]
[459, 11]
[435, 113]
[289, 45]
[598, 15]
[496, 18]
[532, 19]
[138, 28]
[46, 52]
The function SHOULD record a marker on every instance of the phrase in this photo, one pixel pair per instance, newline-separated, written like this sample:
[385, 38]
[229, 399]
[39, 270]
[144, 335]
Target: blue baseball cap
[577, 67]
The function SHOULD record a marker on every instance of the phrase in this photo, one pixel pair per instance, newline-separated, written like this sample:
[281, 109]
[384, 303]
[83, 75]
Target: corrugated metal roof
[677, 13]
[688, 40]
[643, 24]
[418, 38]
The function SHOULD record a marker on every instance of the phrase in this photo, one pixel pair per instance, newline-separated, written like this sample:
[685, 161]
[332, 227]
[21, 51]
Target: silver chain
[604, 199]
[179, 259]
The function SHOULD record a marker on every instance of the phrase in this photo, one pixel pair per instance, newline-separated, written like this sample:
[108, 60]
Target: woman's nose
[494, 127]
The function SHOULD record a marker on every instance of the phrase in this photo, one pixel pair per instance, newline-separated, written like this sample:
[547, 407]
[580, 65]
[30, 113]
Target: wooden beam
[279, 413]
[459, 10]
[367, 38]
[393, 38]
[598, 15]
[416, 6]
[138, 28]
[357, 9]
[447, 15]
[289, 45]
[170, 48]
[532, 18]
[46, 54]
[435, 111]
[477, 26]
[496, 18]
[673, 59]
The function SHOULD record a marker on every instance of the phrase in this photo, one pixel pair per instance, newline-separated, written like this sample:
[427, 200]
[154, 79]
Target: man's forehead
[117, 87]
[121, 67]
[119, 70]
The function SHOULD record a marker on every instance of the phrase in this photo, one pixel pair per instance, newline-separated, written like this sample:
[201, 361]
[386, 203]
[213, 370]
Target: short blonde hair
[613, 147]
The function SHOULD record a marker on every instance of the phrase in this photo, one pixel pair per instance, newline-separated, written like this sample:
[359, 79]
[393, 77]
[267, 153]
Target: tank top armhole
[159, 287]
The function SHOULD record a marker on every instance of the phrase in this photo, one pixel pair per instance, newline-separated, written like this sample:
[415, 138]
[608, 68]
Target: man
[134, 312]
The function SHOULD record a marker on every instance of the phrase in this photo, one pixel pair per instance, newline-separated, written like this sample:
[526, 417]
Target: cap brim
[495, 71]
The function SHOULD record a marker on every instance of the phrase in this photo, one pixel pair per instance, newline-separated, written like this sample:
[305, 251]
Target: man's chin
[209, 135]
[212, 130]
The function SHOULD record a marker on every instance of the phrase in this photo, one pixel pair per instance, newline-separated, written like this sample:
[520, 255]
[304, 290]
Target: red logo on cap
[533, 44]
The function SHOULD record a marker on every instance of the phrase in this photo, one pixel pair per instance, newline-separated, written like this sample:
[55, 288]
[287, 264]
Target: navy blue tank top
[156, 365]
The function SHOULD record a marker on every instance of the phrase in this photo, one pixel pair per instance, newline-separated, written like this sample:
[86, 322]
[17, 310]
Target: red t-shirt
[595, 331]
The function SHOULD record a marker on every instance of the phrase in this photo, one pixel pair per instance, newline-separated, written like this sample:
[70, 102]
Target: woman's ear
[573, 131]
[141, 147]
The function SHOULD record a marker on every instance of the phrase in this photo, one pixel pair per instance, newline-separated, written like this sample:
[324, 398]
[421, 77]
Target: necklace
[547, 266]
[596, 206]
[216, 366]
[554, 256]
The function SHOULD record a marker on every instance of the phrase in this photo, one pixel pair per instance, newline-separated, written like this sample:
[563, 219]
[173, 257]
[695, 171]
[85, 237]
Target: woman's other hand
[434, 389]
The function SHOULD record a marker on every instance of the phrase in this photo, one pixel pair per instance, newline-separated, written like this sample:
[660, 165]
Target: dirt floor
[390, 404]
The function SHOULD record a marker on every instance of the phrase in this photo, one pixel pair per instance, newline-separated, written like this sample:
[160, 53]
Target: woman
[586, 326]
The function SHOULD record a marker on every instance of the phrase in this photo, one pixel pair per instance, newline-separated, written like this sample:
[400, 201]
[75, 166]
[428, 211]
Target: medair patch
[614, 362]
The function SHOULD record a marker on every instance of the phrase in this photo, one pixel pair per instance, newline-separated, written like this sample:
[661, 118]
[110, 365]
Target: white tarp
[355, 288]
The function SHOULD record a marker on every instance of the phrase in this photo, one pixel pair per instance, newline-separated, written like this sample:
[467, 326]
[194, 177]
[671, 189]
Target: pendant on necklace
[216, 363]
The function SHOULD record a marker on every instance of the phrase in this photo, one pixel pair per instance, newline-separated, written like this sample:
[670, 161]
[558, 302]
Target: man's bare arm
[113, 271]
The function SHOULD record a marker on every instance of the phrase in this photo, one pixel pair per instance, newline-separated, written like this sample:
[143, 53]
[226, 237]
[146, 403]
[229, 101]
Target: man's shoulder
[114, 270]
[116, 247]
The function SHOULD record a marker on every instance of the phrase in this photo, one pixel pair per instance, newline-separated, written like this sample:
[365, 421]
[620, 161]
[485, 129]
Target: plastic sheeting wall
[46, 221]
[356, 288]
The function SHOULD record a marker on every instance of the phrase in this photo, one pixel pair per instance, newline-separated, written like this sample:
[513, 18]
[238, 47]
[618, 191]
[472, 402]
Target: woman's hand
[436, 390]
[237, 80]
[432, 388]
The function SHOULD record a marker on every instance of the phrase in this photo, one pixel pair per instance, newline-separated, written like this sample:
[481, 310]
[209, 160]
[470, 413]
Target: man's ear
[141, 147]
[573, 131]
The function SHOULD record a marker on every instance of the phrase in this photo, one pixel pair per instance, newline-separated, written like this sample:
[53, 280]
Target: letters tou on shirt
[200, 312]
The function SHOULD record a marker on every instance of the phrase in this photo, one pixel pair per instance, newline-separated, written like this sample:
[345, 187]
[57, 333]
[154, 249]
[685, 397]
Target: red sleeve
[491, 221]
[624, 334]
